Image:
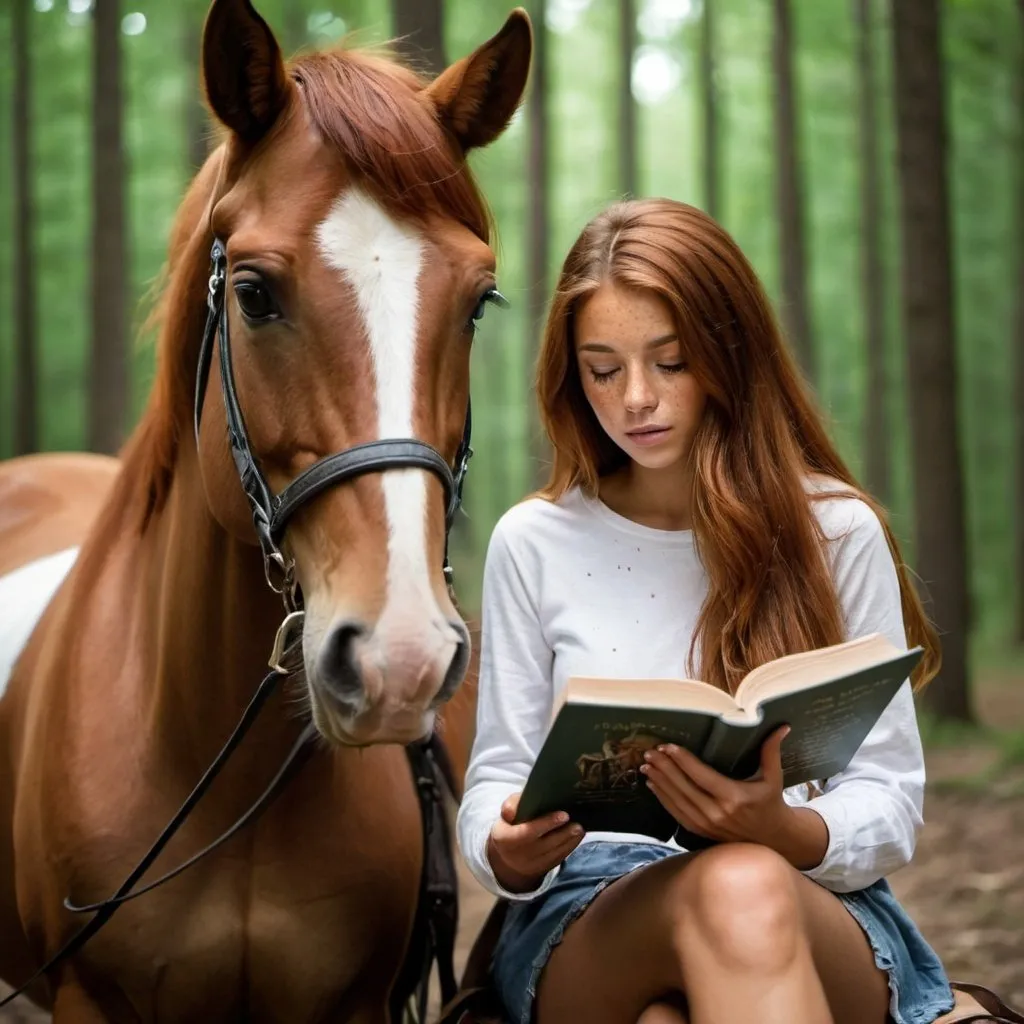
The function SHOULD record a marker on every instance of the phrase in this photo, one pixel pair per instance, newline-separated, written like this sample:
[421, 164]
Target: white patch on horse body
[381, 259]
[24, 595]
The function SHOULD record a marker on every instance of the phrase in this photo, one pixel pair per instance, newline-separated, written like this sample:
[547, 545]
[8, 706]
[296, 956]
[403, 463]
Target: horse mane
[372, 109]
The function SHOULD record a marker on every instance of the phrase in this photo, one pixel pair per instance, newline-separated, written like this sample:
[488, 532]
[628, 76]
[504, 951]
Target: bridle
[270, 515]
[270, 512]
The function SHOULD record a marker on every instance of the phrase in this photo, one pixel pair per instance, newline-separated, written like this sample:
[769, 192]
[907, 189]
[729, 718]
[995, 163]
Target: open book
[590, 762]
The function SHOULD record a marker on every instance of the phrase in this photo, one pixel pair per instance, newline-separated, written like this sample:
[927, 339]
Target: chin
[372, 727]
[657, 459]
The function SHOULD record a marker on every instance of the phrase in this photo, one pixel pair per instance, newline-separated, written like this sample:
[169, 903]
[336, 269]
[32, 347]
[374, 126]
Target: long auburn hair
[770, 590]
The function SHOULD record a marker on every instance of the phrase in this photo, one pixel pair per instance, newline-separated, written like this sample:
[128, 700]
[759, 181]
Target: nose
[459, 663]
[339, 667]
[639, 393]
[415, 671]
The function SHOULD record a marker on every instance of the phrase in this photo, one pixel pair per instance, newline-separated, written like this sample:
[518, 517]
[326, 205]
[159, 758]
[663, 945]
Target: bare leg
[664, 1013]
[736, 929]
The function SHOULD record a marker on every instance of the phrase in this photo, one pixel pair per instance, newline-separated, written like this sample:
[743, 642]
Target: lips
[647, 435]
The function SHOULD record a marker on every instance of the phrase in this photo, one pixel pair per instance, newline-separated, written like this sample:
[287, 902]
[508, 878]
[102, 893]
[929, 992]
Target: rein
[270, 514]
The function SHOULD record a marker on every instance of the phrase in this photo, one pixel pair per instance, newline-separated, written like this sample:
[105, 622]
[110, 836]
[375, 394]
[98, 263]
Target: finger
[712, 782]
[544, 825]
[542, 856]
[771, 757]
[682, 810]
[556, 846]
[536, 826]
[523, 842]
[673, 780]
[509, 807]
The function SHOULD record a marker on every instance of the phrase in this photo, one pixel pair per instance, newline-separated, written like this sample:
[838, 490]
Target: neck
[659, 498]
[212, 624]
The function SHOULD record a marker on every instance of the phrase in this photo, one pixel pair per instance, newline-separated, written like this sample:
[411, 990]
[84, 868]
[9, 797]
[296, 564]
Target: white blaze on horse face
[382, 260]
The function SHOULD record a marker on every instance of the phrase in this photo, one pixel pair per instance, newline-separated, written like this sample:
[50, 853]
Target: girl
[697, 520]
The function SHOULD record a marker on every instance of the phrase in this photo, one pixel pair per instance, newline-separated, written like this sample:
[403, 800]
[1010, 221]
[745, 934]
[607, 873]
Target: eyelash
[603, 378]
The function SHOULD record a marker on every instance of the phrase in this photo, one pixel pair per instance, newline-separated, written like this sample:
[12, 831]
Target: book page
[797, 671]
[646, 693]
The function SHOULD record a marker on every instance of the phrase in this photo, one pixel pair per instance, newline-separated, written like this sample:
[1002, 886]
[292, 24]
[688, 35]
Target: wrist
[507, 877]
[801, 836]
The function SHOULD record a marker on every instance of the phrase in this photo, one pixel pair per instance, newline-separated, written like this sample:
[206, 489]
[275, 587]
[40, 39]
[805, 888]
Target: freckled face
[635, 376]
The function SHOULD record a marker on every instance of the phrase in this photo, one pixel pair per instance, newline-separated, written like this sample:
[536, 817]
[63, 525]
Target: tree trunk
[296, 33]
[109, 370]
[538, 229]
[876, 426]
[1017, 347]
[419, 26]
[789, 186]
[627, 106]
[197, 123]
[25, 366]
[709, 96]
[928, 326]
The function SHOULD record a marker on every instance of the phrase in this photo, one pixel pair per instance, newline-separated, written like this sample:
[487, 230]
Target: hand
[713, 805]
[521, 855]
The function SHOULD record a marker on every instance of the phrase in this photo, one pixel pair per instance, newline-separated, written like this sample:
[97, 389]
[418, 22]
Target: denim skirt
[918, 987]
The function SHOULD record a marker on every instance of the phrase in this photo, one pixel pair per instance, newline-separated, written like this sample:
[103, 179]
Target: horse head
[356, 266]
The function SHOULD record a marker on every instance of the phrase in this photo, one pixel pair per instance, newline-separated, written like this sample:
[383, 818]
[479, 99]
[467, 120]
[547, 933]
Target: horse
[329, 262]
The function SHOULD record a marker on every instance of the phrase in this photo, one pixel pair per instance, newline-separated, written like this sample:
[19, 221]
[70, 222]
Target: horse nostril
[338, 666]
[458, 665]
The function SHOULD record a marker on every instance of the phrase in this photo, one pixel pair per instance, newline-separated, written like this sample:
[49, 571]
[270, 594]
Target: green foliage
[982, 40]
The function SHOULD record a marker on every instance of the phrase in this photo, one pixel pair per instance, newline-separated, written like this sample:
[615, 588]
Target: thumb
[771, 757]
[509, 808]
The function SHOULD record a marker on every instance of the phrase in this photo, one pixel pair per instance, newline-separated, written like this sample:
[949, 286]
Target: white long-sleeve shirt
[573, 588]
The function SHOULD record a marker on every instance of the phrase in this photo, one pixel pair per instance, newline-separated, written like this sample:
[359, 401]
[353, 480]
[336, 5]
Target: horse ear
[477, 96]
[244, 77]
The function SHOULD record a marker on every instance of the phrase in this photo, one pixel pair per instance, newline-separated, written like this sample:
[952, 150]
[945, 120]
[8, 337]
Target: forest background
[867, 155]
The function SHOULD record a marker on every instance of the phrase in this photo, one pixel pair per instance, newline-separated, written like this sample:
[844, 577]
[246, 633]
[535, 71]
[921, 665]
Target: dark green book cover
[590, 762]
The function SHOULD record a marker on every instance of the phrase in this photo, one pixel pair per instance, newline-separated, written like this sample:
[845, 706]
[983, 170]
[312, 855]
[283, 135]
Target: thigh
[620, 955]
[616, 959]
[857, 990]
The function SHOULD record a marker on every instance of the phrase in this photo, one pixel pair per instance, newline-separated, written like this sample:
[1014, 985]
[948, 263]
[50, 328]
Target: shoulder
[855, 538]
[531, 539]
[537, 525]
[844, 517]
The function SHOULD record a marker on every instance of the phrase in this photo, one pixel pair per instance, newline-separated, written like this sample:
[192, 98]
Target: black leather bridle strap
[301, 749]
[271, 513]
[372, 457]
[270, 517]
[108, 907]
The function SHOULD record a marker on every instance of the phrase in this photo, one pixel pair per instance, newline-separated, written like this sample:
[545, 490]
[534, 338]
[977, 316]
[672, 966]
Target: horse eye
[256, 302]
[492, 295]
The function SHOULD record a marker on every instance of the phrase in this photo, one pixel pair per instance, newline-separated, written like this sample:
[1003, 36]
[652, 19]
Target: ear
[243, 74]
[476, 96]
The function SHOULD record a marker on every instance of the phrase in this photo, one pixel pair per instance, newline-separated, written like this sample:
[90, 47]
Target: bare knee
[663, 1013]
[739, 903]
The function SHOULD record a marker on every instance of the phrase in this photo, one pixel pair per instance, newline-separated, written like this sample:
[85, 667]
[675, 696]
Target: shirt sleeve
[514, 701]
[873, 809]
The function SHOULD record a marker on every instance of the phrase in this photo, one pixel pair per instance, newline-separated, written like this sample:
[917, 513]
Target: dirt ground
[965, 887]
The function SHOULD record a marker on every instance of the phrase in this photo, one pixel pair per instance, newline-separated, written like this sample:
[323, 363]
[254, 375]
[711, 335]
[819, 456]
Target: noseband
[271, 513]
[270, 516]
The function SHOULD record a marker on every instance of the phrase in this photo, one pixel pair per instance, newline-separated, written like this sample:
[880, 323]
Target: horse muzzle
[382, 684]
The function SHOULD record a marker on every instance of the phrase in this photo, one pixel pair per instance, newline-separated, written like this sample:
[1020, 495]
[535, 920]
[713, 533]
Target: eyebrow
[595, 346]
